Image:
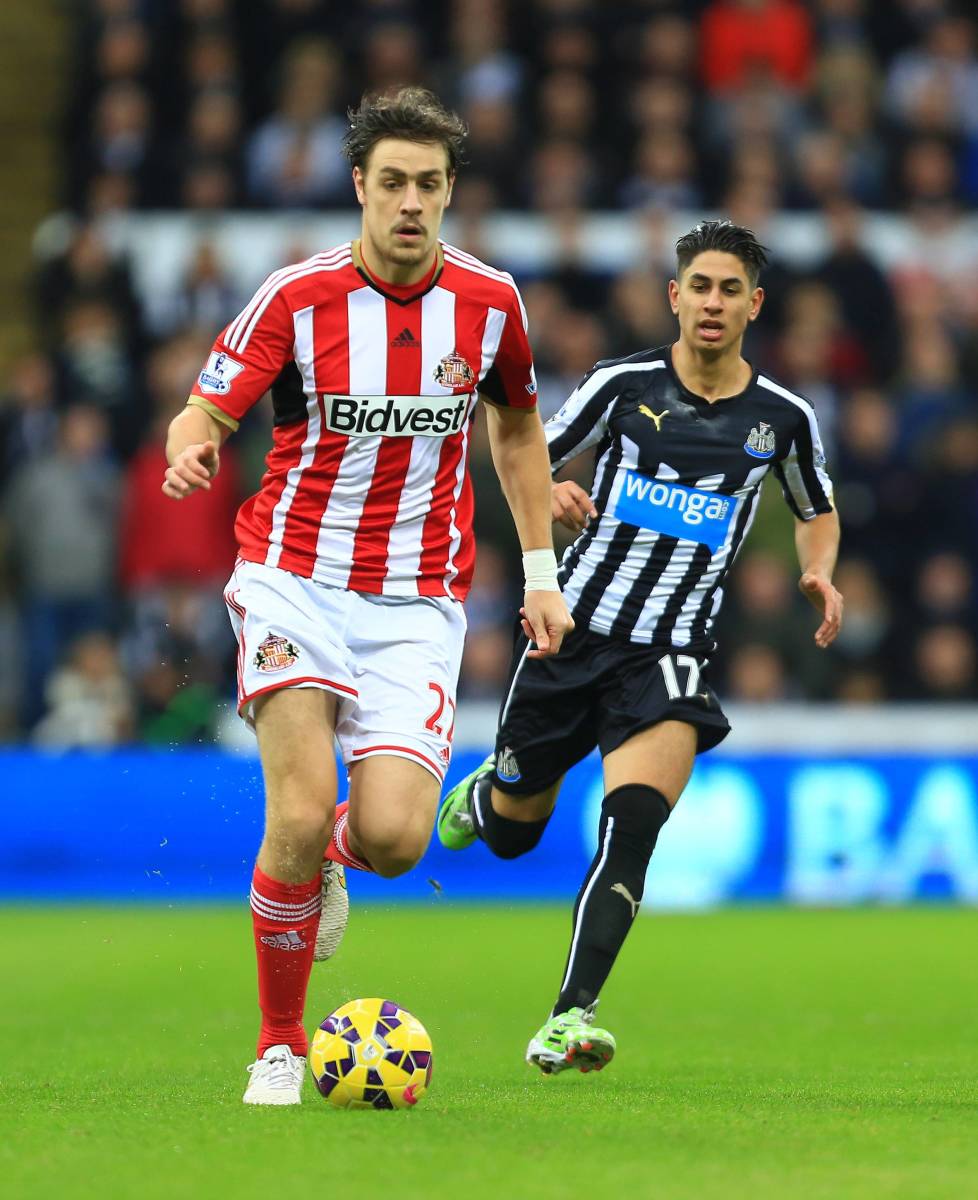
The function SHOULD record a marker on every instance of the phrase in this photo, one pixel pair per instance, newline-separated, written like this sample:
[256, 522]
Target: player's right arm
[570, 505]
[243, 363]
[193, 442]
[579, 425]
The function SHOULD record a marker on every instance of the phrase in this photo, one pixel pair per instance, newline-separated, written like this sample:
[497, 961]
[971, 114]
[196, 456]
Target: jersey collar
[395, 292]
[685, 391]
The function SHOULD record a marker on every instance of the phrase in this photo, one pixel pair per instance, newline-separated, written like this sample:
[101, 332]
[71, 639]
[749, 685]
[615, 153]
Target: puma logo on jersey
[656, 417]
[623, 891]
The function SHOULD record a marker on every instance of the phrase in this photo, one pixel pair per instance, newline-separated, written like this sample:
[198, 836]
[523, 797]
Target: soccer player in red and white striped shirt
[356, 553]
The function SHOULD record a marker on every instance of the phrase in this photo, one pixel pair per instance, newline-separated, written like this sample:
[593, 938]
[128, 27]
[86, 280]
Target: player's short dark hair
[726, 237]
[411, 113]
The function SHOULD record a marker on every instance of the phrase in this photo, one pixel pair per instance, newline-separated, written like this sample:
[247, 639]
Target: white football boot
[335, 911]
[276, 1078]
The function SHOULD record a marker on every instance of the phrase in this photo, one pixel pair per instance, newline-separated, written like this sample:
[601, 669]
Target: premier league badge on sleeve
[217, 374]
[760, 441]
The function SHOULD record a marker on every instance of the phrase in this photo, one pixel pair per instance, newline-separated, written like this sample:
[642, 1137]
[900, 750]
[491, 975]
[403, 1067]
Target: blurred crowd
[110, 596]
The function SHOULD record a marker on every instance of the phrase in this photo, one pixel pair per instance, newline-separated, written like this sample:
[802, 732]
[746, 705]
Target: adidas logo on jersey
[405, 340]
[396, 416]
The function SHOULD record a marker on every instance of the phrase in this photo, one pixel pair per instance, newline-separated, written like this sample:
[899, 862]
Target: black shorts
[598, 691]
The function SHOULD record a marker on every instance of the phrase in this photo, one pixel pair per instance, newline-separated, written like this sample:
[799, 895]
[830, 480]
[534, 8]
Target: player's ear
[756, 300]
[448, 194]
[674, 296]
[358, 185]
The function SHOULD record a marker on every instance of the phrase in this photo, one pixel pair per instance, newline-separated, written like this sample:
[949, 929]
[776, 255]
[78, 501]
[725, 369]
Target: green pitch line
[761, 1054]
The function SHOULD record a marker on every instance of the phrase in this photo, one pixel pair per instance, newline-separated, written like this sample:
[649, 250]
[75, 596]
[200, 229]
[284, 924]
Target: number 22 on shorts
[443, 701]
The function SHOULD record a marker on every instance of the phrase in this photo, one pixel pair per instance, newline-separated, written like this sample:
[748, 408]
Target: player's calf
[509, 836]
[468, 813]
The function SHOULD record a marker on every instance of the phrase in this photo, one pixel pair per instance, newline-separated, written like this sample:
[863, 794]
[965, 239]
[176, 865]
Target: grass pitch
[794, 1055]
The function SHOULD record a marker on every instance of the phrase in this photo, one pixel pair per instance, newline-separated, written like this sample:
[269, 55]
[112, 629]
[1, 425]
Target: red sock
[286, 919]
[338, 849]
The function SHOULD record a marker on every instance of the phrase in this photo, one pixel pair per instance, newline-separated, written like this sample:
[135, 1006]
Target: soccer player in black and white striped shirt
[683, 438]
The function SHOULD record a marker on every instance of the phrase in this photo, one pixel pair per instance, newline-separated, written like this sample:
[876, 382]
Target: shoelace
[276, 1072]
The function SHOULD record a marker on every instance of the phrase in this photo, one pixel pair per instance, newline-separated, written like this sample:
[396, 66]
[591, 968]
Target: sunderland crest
[454, 372]
[275, 653]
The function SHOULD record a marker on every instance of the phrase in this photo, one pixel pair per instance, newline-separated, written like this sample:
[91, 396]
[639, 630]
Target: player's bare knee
[395, 856]
[392, 867]
[304, 824]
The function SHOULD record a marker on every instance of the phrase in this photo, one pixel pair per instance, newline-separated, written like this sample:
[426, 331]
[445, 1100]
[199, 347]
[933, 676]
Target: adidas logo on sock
[284, 941]
[405, 340]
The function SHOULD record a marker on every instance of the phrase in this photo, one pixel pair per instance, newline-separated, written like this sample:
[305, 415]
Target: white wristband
[540, 569]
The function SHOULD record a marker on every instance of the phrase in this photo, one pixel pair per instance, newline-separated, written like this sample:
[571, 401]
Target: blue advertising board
[158, 826]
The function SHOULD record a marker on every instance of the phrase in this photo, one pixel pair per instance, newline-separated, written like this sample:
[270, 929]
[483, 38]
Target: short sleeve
[582, 420]
[805, 484]
[246, 358]
[510, 382]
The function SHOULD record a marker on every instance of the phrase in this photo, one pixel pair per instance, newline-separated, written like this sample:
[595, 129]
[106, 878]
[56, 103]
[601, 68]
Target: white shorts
[393, 661]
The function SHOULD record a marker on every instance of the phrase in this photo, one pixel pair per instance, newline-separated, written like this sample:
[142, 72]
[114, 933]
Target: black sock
[504, 837]
[631, 817]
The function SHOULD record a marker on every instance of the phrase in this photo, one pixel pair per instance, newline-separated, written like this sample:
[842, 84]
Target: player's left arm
[522, 462]
[807, 490]
[817, 544]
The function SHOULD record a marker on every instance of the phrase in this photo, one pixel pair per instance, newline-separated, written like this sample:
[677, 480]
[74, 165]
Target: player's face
[404, 190]
[714, 302]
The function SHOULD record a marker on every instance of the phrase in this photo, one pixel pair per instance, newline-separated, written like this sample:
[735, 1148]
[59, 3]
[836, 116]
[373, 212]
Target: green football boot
[456, 825]
[571, 1039]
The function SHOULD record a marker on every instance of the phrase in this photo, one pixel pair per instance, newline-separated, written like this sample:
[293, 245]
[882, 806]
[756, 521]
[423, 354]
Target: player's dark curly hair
[411, 113]
[727, 237]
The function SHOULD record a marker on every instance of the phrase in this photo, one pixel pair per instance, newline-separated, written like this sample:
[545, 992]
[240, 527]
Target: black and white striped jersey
[677, 481]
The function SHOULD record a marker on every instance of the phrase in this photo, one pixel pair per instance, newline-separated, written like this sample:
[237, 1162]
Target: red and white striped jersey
[373, 388]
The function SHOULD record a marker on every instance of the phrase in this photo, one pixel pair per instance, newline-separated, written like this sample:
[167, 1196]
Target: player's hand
[571, 505]
[828, 601]
[545, 621]
[194, 467]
